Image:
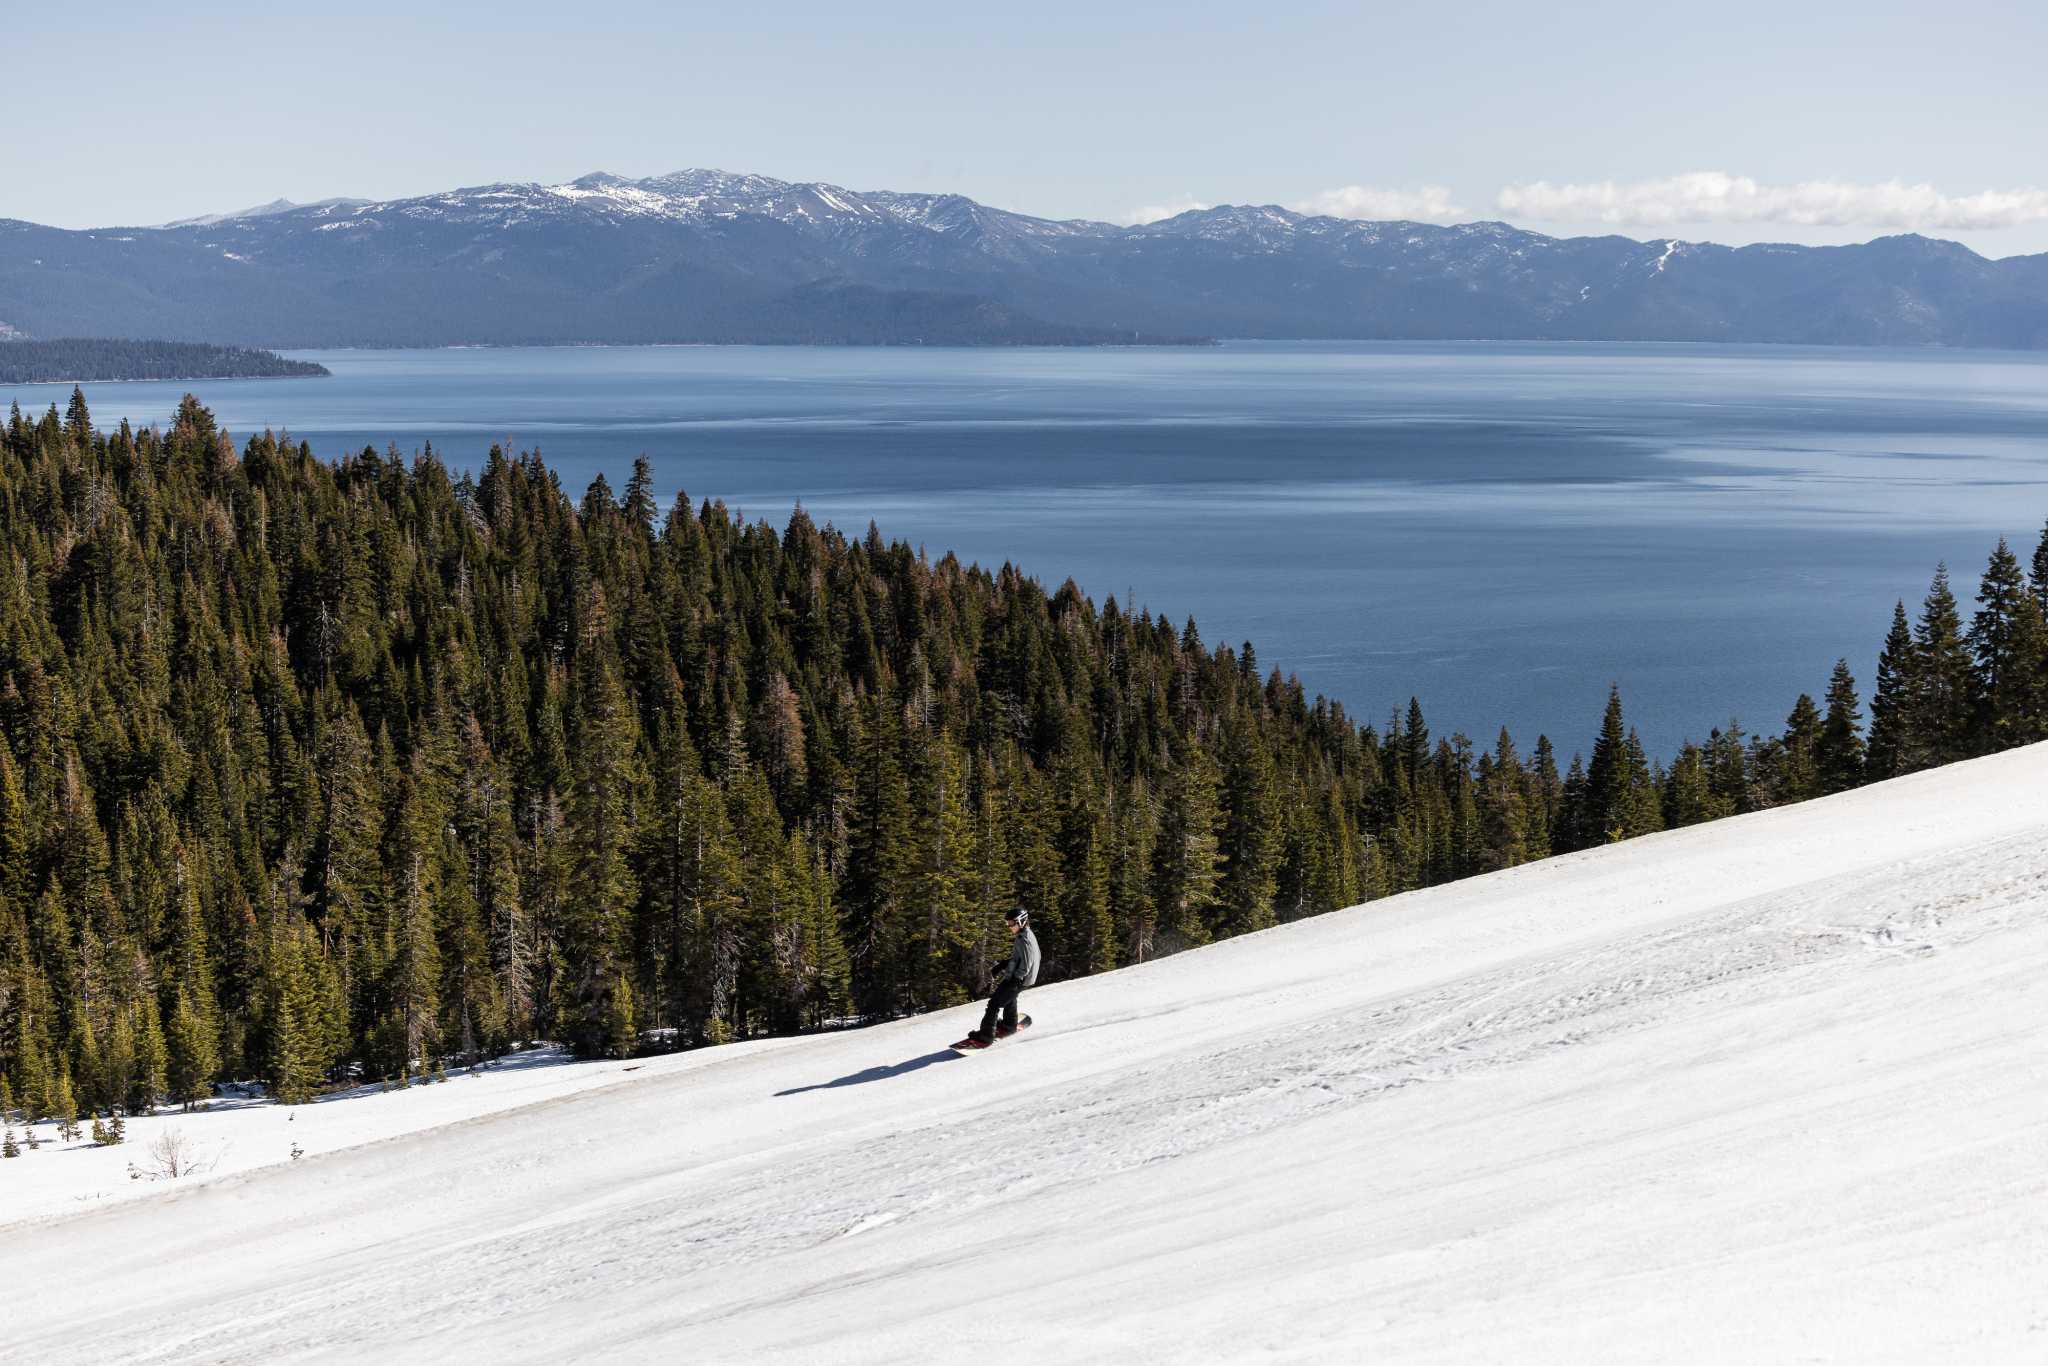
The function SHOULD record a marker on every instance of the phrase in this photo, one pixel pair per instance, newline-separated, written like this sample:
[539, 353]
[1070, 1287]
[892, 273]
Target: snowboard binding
[974, 1040]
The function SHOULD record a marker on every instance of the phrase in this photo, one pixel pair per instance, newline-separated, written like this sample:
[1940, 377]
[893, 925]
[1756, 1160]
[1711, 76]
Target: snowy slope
[1773, 1089]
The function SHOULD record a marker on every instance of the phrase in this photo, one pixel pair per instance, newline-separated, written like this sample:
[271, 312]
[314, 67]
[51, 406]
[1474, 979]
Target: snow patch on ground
[231, 1137]
[1770, 1089]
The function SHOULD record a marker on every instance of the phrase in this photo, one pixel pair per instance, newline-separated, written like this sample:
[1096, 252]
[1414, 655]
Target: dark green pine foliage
[1798, 754]
[1839, 754]
[1504, 805]
[101, 358]
[2008, 642]
[310, 770]
[1891, 706]
[1250, 836]
[2038, 574]
[597, 1017]
[1607, 801]
[1941, 711]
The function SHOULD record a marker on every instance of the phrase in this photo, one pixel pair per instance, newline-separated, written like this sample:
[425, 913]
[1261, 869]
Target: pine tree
[1839, 754]
[1134, 845]
[941, 863]
[621, 1027]
[1643, 809]
[345, 873]
[7, 1144]
[1941, 703]
[151, 1056]
[1607, 799]
[78, 418]
[490, 848]
[1689, 796]
[1799, 766]
[192, 1041]
[64, 1105]
[1188, 854]
[296, 1053]
[874, 890]
[1575, 825]
[1888, 752]
[413, 975]
[1249, 842]
[638, 505]
[992, 886]
[2009, 642]
[1543, 791]
[2038, 573]
[15, 843]
[29, 1050]
[1503, 806]
[1730, 772]
[1085, 935]
[194, 1055]
[602, 886]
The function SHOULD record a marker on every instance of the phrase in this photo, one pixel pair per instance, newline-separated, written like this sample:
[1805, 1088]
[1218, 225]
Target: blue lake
[1499, 529]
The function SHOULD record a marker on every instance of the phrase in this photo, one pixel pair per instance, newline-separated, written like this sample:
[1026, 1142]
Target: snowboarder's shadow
[861, 1078]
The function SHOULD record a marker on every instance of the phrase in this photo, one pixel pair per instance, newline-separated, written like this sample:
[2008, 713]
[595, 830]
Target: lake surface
[1499, 529]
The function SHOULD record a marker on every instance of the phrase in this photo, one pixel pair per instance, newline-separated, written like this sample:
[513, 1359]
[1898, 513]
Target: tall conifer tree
[1839, 755]
[1942, 705]
[2009, 644]
[1887, 754]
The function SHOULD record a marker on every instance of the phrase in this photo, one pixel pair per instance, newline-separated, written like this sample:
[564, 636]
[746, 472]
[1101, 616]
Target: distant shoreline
[162, 379]
[121, 360]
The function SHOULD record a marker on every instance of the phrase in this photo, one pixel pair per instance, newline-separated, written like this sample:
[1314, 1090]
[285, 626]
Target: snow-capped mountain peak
[665, 246]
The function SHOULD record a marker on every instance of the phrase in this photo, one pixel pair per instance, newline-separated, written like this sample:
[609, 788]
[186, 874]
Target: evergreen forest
[118, 358]
[318, 772]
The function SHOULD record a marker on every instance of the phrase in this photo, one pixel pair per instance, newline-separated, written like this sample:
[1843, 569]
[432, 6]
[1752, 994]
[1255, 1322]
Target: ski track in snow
[1774, 1068]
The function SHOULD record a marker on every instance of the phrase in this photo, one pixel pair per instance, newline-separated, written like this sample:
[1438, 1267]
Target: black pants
[1004, 1000]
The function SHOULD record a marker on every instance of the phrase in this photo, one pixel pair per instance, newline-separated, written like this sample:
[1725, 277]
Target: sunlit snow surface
[1770, 1090]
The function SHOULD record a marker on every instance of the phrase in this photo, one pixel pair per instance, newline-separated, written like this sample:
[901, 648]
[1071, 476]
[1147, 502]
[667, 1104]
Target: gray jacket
[1023, 965]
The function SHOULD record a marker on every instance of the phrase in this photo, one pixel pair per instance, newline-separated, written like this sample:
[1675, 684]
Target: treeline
[313, 770]
[86, 359]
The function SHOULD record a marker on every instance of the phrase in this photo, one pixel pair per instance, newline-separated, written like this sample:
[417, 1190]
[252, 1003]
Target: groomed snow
[1773, 1089]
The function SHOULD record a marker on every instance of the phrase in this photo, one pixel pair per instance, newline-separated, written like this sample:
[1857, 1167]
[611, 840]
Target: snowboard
[971, 1043]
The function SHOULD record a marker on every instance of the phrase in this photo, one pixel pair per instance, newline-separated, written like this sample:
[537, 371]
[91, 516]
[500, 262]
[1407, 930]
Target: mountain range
[710, 256]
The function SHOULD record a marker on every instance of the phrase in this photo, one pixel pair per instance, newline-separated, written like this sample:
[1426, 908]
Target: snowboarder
[1018, 971]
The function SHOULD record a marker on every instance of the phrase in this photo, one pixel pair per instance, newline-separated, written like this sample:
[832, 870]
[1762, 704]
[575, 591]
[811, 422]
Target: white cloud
[1717, 197]
[1152, 213]
[1430, 204]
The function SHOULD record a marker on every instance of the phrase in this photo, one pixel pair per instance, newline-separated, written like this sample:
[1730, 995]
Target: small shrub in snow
[173, 1155]
[7, 1147]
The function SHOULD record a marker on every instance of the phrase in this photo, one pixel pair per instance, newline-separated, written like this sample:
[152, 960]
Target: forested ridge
[316, 770]
[120, 358]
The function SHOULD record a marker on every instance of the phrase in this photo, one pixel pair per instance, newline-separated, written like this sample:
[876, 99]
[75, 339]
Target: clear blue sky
[126, 113]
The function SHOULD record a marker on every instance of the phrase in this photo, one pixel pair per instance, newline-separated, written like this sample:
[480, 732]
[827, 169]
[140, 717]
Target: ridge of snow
[1765, 1089]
